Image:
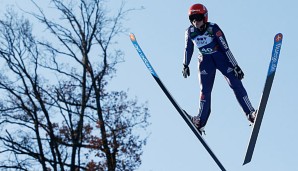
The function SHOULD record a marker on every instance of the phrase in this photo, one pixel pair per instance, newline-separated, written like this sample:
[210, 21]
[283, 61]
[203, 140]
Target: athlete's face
[198, 24]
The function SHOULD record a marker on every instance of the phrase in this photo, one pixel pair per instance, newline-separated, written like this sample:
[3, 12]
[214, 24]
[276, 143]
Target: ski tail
[264, 98]
[175, 104]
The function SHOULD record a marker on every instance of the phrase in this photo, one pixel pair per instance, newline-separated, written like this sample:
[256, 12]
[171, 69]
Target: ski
[264, 98]
[175, 104]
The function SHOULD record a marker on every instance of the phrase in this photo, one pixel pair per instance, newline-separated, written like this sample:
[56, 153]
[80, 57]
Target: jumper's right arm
[189, 48]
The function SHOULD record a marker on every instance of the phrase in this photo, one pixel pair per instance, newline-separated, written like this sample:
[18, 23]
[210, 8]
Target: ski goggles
[197, 17]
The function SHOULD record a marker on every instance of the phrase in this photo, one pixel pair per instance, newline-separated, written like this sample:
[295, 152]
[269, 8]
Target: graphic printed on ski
[175, 104]
[264, 98]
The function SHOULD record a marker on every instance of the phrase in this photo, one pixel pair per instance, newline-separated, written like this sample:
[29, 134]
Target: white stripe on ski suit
[231, 58]
[201, 109]
[248, 104]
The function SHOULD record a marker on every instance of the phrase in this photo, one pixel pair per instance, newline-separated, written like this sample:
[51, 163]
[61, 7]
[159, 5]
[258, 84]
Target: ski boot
[196, 122]
[252, 116]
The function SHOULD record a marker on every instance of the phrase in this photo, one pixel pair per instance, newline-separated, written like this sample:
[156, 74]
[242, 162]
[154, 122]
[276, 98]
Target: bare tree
[57, 112]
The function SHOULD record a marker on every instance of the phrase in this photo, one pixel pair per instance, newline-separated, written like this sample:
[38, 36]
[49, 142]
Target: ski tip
[132, 37]
[245, 162]
[278, 37]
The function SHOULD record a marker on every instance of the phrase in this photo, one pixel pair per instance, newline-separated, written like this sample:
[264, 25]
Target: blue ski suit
[215, 54]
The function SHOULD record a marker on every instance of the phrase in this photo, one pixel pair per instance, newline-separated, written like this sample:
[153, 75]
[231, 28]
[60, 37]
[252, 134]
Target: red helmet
[198, 9]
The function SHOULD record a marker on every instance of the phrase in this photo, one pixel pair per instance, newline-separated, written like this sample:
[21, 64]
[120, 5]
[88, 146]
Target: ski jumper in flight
[215, 55]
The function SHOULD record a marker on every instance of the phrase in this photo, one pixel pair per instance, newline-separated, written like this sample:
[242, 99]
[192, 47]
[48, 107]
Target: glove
[185, 71]
[238, 72]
